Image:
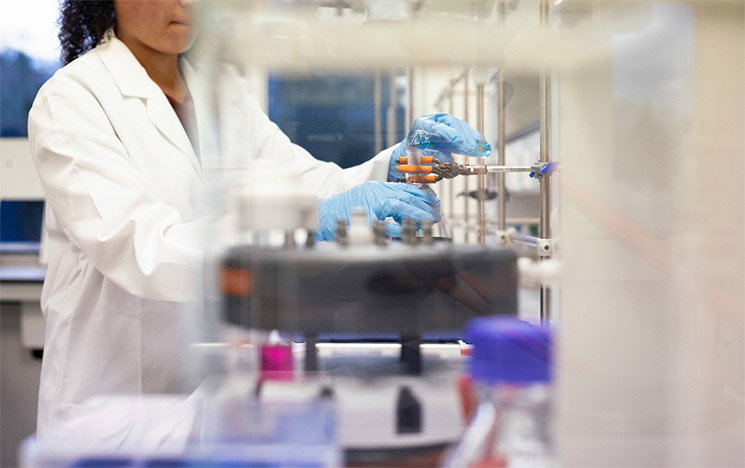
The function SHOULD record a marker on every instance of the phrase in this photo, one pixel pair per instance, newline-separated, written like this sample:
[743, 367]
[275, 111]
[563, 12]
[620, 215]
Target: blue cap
[509, 350]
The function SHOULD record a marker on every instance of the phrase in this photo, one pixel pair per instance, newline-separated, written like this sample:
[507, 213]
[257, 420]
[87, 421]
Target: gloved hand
[380, 200]
[447, 134]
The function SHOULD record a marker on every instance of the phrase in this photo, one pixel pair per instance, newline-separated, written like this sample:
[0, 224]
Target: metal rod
[392, 133]
[501, 190]
[526, 220]
[481, 180]
[524, 239]
[545, 303]
[410, 98]
[545, 179]
[479, 170]
[493, 221]
[465, 181]
[311, 352]
[533, 126]
[377, 103]
[451, 183]
[472, 227]
[504, 169]
[501, 126]
[458, 78]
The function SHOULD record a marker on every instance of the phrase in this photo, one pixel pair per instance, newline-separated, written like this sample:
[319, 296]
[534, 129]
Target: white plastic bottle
[511, 368]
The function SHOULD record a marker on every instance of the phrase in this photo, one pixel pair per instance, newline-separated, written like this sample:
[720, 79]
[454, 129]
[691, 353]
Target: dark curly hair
[82, 26]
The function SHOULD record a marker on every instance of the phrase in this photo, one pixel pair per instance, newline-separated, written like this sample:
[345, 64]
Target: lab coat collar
[133, 81]
[129, 75]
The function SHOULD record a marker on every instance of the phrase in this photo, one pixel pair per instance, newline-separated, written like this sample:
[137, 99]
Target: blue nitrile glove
[447, 134]
[380, 200]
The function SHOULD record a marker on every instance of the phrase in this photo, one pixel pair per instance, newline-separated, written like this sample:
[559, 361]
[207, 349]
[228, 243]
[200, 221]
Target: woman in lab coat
[116, 142]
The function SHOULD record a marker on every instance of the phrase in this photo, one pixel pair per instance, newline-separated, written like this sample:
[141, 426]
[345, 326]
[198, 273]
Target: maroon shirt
[185, 112]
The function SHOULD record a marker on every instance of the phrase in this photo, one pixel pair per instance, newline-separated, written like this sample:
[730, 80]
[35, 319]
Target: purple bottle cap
[509, 350]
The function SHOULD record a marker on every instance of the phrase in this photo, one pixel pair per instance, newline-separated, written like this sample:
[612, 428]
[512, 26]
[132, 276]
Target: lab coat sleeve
[103, 202]
[323, 178]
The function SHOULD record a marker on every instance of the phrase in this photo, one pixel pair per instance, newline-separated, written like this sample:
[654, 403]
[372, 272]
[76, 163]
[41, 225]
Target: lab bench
[22, 330]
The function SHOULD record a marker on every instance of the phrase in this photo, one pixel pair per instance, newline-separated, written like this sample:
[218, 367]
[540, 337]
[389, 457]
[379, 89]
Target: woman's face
[166, 26]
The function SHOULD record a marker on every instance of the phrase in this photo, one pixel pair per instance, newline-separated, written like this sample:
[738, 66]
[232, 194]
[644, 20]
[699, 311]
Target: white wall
[18, 179]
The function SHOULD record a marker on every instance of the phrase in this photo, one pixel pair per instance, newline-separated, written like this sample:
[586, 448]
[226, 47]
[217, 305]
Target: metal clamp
[431, 169]
[504, 236]
[544, 247]
[542, 168]
[547, 247]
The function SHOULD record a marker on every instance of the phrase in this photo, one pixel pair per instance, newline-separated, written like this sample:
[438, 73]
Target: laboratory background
[579, 301]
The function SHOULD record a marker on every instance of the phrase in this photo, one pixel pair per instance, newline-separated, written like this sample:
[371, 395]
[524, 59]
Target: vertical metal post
[466, 195]
[410, 99]
[451, 182]
[311, 352]
[377, 104]
[481, 179]
[392, 137]
[501, 126]
[545, 180]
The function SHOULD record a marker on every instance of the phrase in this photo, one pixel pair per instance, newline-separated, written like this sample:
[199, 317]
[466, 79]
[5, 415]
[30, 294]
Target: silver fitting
[547, 247]
[310, 238]
[379, 232]
[427, 238]
[409, 232]
[504, 236]
[341, 232]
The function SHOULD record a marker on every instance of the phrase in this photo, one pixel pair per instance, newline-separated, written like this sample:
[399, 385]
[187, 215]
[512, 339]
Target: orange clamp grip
[414, 169]
[424, 159]
[417, 179]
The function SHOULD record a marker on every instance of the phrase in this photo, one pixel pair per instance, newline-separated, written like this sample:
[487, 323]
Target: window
[332, 116]
[29, 55]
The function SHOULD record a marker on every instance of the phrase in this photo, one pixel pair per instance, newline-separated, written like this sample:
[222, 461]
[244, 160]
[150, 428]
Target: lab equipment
[417, 144]
[441, 135]
[366, 287]
[380, 201]
[396, 289]
[450, 170]
[634, 80]
[276, 360]
[511, 367]
[544, 168]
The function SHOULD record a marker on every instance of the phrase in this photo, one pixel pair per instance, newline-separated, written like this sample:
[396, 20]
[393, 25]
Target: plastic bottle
[511, 368]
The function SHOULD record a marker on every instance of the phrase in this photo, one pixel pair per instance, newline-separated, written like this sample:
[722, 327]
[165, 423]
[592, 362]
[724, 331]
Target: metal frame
[545, 179]
[545, 245]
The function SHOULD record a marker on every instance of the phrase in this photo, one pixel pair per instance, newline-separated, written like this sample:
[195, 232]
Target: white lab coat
[122, 182]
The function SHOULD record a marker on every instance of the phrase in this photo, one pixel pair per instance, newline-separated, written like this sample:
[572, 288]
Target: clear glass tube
[417, 142]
